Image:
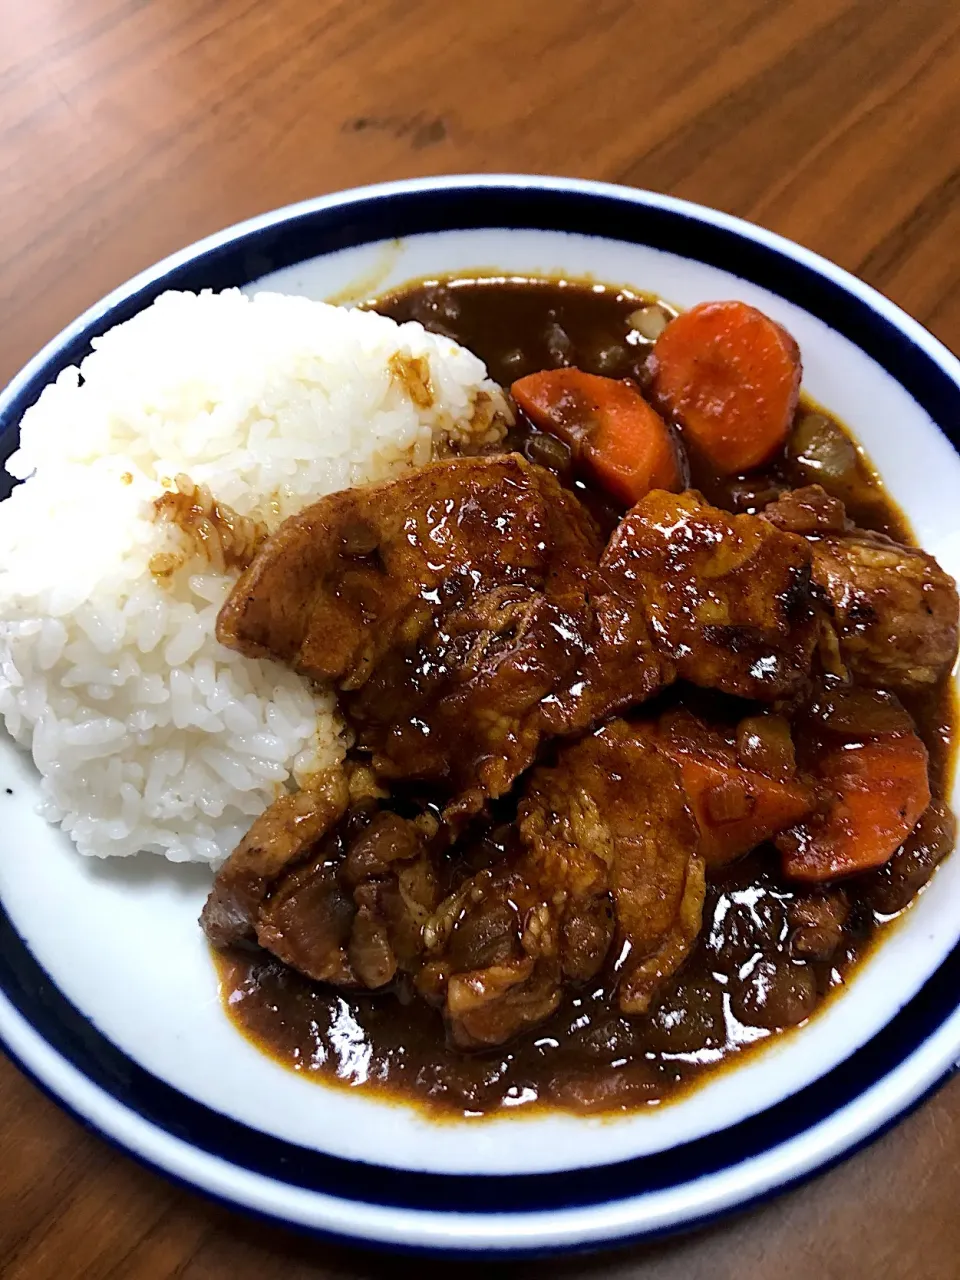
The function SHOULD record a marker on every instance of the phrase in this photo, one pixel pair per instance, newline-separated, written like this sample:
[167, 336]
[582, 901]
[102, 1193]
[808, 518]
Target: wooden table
[130, 127]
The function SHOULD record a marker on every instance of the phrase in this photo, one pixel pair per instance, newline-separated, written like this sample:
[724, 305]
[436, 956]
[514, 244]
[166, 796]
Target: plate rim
[930, 1060]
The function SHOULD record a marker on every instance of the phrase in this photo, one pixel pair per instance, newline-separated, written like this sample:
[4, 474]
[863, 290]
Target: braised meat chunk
[345, 904]
[810, 510]
[437, 604]
[610, 816]
[307, 918]
[491, 958]
[894, 609]
[891, 609]
[366, 571]
[282, 836]
[464, 700]
[607, 869]
[451, 608]
[728, 598]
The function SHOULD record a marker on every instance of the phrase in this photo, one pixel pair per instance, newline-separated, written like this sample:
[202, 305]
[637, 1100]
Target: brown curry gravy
[740, 987]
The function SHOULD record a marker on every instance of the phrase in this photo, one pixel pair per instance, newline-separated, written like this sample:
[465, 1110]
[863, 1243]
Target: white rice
[149, 735]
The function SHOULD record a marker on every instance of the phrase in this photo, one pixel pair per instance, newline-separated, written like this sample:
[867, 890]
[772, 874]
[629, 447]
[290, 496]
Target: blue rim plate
[64, 1052]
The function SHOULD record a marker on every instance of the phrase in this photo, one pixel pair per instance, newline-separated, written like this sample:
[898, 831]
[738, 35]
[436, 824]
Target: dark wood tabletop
[129, 128]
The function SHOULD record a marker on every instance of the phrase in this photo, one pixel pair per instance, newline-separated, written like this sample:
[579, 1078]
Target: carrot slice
[730, 377]
[735, 808]
[616, 436]
[881, 790]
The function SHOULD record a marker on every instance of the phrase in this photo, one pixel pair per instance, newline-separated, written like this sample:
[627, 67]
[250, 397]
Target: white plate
[152, 1060]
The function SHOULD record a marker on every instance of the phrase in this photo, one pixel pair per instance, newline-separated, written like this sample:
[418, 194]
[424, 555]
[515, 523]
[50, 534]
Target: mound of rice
[149, 735]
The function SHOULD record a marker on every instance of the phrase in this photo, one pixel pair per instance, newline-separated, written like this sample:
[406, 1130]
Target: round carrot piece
[881, 789]
[730, 376]
[617, 437]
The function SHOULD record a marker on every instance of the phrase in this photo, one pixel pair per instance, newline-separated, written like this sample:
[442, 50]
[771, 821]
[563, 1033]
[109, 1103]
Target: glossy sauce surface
[745, 980]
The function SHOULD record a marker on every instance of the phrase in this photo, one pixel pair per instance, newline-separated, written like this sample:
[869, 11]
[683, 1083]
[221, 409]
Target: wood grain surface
[130, 127]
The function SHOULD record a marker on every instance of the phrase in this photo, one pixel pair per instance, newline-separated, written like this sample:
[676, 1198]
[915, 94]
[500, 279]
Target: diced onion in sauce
[764, 743]
[649, 321]
[823, 450]
[866, 713]
[548, 451]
